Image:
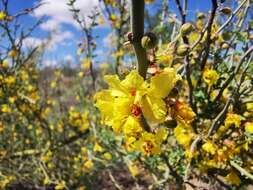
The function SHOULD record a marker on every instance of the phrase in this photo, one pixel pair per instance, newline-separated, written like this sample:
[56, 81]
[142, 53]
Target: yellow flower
[113, 17]
[2, 15]
[86, 63]
[5, 108]
[249, 127]
[81, 74]
[119, 105]
[153, 105]
[210, 76]
[123, 103]
[209, 147]
[132, 127]
[97, 148]
[60, 186]
[46, 181]
[150, 143]
[133, 168]
[183, 113]
[47, 157]
[233, 119]
[88, 164]
[183, 134]
[249, 106]
[5, 63]
[12, 99]
[118, 54]
[84, 150]
[233, 178]
[10, 80]
[130, 146]
[107, 156]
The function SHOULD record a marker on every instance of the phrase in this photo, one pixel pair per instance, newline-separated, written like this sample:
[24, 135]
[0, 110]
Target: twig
[208, 37]
[192, 149]
[241, 170]
[231, 77]
[181, 11]
[220, 117]
[230, 18]
[137, 27]
[115, 183]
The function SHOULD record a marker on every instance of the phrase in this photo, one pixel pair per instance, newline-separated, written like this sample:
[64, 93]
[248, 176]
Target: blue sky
[66, 33]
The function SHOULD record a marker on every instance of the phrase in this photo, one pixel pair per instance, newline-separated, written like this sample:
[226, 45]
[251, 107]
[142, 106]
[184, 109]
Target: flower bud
[186, 29]
[201, 15]
[182, 50]
[227, 35]
[226, 10]
[149, 41]
[13, 53]
[225, 46]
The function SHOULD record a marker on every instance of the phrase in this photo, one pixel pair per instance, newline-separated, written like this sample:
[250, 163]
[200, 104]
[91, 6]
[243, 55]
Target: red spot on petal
[136, 110]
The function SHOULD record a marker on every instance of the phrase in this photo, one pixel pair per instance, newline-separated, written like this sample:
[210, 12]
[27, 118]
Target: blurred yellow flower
[107, 156]
[10, 80]
[60, 186]
[5, 108]
[2, 15]
[133, 168]
[249, 127]
[183, 134]
[249, 106]
[233, 119]
[209, 147]
[86, 64]
[183, 113]
[89, 164]
[97, 148]
[233, 178]
[150, 143]
[210, 76]
[5, 63]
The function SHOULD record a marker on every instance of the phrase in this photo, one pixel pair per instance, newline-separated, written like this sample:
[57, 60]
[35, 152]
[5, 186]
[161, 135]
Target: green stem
[241, 170]
[137, 27]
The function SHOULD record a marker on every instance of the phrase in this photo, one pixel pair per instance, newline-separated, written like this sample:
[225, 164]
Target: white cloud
[59, 38]
[56, 38]
[50, 63]
[32, 42]
[59, 13]
[68, 58]
[50, 25]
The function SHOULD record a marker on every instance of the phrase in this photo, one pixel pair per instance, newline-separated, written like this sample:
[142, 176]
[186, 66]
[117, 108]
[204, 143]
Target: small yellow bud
[201, 16]
[13, 53]
[2, 15]
[224, 46]
[182, 50]
[149, 41]
[5, 64]
[186, 29]
[251, 37]
[226, 10]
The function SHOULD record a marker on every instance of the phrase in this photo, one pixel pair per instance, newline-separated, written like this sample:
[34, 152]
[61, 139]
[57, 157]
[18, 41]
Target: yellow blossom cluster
[126, 102]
